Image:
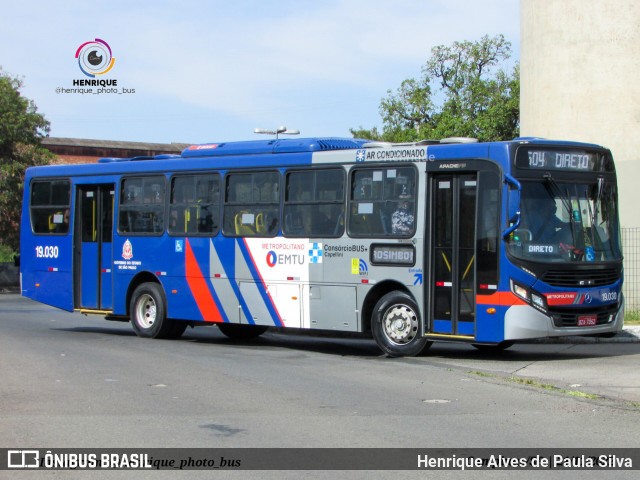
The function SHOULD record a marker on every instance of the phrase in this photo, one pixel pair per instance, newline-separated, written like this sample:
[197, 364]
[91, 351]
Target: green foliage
[462, 92]
[361, 132]
[6, 254]
[21, 128]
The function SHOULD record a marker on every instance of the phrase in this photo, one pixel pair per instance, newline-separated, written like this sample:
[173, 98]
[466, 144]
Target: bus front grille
[580, 278]
[570, 317]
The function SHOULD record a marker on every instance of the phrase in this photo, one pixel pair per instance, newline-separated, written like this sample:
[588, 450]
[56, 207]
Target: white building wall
[580, 80]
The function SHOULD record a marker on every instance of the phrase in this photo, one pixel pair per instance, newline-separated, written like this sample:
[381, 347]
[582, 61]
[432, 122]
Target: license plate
[587, 320]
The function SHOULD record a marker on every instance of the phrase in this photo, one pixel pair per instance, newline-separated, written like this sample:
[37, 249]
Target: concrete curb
[630, 334]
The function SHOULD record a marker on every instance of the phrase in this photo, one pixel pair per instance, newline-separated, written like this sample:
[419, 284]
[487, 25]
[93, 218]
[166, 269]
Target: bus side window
[252, 204]
[382, 202]
[194, 204]
[142, 205]
[50, 206]
[314, 203]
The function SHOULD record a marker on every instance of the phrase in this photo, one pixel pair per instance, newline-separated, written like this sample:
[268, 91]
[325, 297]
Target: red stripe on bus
[199, 289]
[500, 298]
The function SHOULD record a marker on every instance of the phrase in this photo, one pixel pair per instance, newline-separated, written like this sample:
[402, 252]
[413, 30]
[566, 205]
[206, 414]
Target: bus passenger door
[453, 239]
[93, 276]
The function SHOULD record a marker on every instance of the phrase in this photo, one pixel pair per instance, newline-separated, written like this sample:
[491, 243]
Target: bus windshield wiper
[596, 203]
[556, 191]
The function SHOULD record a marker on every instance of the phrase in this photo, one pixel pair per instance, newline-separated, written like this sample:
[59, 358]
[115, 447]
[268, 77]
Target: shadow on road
[364, 347]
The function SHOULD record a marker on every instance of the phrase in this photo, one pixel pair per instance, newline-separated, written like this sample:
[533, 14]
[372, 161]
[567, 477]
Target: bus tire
[149, 312]
[241, 332]
[395, 325]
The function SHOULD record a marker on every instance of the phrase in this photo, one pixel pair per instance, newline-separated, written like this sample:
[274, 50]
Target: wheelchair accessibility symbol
[590, 254]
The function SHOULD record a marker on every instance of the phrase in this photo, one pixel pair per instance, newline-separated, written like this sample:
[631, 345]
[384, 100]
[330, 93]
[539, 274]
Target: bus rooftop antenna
[280, 130]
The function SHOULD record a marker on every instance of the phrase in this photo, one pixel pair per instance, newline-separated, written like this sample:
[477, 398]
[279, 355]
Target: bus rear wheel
[395, 325]
[148, 310]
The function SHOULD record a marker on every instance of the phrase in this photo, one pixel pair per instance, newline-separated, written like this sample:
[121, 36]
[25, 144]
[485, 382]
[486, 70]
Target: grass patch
[548, 387]
[632, 317]
[543, 386]
[553, 388]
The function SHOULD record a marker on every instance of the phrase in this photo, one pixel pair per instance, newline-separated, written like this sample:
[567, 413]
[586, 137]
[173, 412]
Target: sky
[212, 71]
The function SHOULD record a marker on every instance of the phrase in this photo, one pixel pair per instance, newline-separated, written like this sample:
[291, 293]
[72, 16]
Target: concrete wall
[580, 80]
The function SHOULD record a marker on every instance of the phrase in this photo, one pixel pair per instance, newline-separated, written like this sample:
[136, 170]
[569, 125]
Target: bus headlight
[538, 302]
[532, 298]
[520, 291]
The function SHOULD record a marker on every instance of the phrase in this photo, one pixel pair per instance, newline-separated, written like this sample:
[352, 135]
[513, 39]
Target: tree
[462, 92]
[21, 129]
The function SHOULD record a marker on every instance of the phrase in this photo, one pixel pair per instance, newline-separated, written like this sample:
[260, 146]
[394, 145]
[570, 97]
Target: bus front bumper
[523, 322]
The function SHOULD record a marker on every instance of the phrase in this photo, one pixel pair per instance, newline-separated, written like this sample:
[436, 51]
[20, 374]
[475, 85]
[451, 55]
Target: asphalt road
[75, 381]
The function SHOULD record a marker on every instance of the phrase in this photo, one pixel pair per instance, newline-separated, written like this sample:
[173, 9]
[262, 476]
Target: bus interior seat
[261, 228]
[191, 219]
[52, 225]
[242, 226]
[266, 224]
[57, 222]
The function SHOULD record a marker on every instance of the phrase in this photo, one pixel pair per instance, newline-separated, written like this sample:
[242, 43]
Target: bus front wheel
[396, 326]
[149, 313]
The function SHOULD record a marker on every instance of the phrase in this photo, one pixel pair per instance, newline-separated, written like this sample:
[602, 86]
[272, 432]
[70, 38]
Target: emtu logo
[95, 58]
[272, 258]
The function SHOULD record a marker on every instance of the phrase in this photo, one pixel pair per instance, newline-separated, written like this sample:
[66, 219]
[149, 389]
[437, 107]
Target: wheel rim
[146, 311]
[400, 324]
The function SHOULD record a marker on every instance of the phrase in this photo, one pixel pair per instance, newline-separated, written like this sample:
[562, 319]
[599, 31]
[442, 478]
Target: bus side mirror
[16, 260]
[513, 204]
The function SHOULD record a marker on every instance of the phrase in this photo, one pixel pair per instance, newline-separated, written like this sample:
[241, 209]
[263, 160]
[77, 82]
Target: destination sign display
[571, 160]
[393, 254]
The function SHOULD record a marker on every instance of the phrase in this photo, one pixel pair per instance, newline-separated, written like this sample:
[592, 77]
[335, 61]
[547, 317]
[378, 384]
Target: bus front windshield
[567, 222]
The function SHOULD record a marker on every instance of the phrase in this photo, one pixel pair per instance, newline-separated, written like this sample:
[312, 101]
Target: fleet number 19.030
[46, 251]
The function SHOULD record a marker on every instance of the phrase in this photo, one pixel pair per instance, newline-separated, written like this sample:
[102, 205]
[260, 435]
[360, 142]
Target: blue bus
[456, 240]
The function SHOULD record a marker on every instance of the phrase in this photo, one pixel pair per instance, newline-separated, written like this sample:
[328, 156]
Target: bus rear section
[46, 241]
